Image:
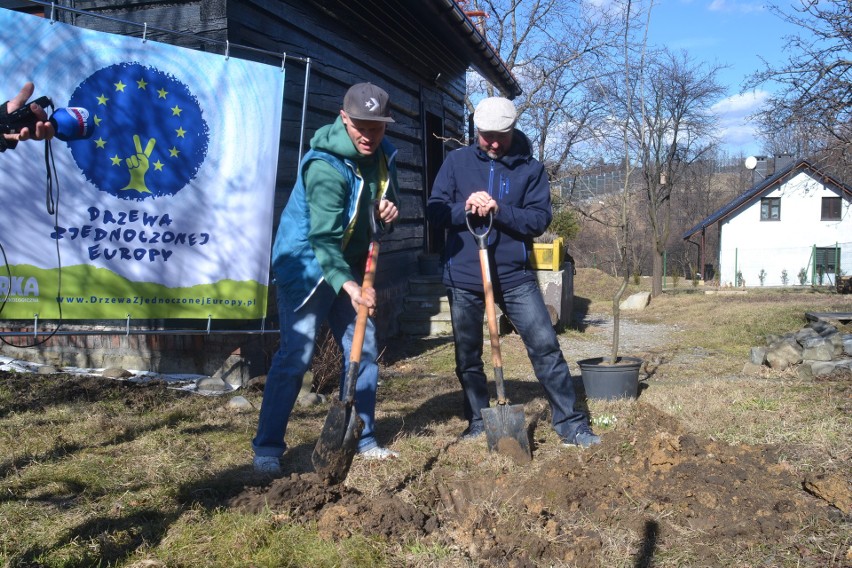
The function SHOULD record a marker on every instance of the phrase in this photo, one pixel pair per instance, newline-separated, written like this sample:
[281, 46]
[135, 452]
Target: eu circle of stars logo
[150, 137]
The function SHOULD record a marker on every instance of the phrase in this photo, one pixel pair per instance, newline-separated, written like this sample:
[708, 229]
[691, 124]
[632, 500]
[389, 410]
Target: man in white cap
[497, 176]
[318, 260]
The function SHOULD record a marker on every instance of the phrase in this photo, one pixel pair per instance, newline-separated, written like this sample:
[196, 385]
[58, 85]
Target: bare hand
[361, 296]
[480, 203]
[387, 211]
[43, 129]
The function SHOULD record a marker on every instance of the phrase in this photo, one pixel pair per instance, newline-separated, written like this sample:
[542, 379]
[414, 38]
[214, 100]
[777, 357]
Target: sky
[734, 33]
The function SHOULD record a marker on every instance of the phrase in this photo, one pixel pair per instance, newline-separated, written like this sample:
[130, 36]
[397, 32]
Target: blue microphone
[73, 123]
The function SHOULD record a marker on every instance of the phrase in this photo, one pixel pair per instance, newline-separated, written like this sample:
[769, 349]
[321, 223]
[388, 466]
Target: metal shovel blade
[338, 442]
[506, 432]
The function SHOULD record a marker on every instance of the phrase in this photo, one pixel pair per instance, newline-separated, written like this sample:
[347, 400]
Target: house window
[826, 259]
[770, 209]
[831, 208]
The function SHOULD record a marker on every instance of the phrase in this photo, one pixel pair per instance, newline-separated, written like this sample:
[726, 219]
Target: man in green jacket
[318, 261]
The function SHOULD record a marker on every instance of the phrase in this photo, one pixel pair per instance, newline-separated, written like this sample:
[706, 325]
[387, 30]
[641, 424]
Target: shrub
[761, 276]
[784, 278]
[564, 224]
[327, 362]
[803, 276]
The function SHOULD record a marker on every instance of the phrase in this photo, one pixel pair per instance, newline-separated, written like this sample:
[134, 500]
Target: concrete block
[234, 371]
[557, 288]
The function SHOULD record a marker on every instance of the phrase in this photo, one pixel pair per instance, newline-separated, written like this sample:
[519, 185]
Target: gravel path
[634, 337]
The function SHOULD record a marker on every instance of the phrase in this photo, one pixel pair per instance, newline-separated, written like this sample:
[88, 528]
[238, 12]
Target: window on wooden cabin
[831, 208]
[770, 209]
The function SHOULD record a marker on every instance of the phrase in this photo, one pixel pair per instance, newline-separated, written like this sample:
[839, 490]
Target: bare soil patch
[649, 476]
[653, 491]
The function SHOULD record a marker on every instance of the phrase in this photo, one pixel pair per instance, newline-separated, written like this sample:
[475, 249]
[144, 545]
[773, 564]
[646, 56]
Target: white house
[793, 227]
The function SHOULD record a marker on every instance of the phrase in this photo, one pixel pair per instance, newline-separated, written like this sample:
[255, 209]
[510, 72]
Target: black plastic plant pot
[611, 381]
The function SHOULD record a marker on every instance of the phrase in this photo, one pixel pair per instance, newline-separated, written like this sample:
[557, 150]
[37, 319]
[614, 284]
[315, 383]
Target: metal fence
[817, 264]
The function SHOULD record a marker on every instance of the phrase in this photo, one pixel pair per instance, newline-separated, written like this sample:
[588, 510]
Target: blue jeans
[525, 308]
[293, 359]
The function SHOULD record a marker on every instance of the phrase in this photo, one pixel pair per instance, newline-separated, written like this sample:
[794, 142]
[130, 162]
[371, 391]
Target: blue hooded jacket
[519, 184]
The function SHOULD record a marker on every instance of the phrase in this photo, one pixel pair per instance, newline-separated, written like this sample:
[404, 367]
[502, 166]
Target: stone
[212, 384]
[758, 355]
[837, 342]
[240, 404]
[783, 354]
[307, 383]
[256, 384]
[818, 349]
[47, 370]
[234, 371]
[823, 368]
[637, 301]
[822, 327]
[805, 334]
[804, 372]
[116, 373]
[310, 399]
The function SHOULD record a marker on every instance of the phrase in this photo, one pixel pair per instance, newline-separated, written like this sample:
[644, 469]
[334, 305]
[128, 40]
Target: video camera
[71, 123]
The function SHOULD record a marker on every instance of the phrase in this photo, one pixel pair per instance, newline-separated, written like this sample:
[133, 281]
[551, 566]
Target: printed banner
[165, 210]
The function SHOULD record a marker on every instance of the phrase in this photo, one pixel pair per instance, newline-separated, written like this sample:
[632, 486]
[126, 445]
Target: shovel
[338, 441]
[504, 424]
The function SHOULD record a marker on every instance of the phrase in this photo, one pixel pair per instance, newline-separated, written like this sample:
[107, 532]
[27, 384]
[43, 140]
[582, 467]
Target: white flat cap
[495, 114]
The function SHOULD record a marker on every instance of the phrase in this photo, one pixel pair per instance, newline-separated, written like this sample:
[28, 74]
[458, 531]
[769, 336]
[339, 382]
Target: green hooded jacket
[324, 233]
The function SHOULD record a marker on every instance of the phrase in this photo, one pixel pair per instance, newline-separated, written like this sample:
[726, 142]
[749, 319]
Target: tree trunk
[657, 276]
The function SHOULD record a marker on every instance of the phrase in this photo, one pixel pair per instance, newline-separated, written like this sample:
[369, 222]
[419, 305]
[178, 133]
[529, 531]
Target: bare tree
[671, 127]
[816, 79]
[555, 49]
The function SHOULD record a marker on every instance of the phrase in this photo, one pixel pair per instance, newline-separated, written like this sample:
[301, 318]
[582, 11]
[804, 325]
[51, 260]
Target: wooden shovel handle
[363, 311]
[490, 310]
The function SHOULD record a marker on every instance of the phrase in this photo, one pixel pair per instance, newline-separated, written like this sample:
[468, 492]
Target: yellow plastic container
[547, 256]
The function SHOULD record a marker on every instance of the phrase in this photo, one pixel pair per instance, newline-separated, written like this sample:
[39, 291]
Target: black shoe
[474, 430]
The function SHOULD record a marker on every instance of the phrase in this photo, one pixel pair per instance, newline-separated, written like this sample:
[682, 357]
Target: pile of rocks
[819, 349]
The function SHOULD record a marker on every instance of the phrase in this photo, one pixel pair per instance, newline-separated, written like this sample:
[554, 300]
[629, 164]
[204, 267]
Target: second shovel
[504, 424]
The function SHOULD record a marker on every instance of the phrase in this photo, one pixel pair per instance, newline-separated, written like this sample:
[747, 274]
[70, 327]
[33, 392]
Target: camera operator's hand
[41, 129]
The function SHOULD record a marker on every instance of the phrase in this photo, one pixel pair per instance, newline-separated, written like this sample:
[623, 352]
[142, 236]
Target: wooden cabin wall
[340, 56]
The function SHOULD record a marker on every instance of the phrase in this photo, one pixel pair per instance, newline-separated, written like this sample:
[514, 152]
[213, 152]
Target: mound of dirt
[647, 475]
[338, 511]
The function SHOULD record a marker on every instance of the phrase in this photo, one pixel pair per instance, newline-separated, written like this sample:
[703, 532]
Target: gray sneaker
[584, 438]
[267, 465]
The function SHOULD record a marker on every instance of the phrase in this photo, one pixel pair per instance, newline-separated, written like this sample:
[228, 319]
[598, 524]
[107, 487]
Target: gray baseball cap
[365, 101]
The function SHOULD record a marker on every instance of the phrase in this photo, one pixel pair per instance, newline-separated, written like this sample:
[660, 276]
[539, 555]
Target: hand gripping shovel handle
[490, 310]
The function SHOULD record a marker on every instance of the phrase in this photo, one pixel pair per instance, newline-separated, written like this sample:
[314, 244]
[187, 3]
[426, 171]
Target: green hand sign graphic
[138, 165]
